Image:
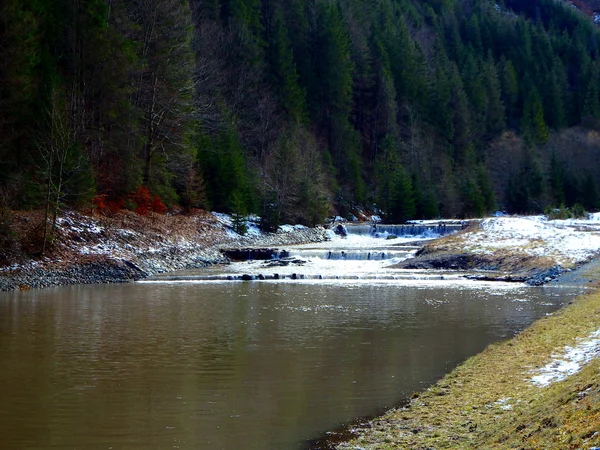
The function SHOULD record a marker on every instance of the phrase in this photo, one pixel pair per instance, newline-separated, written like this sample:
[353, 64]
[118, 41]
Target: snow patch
[570, 362]
[223, 218]
[251, 221]
[504, 403]
[290, 228]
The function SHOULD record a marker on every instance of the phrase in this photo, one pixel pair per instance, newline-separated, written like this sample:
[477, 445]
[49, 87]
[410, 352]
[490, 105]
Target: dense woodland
[296, 109]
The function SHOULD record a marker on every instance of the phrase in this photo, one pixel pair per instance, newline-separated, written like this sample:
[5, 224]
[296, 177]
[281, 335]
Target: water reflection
[233, 365]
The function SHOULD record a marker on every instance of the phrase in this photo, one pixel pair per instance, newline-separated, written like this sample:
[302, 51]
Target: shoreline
[98, 250]
[491, 400]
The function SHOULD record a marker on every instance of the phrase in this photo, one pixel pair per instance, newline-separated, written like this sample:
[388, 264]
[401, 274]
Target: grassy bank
[490, 401]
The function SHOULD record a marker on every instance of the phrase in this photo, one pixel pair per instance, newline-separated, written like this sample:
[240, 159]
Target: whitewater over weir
[366, 253]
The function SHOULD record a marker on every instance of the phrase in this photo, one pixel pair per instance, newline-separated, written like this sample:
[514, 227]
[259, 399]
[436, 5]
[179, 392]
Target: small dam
[405, 230]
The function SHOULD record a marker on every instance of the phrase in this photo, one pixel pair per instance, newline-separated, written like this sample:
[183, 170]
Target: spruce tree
[591, 106]
[402, 201]
[495, 112]
[285, 76]
[533, 126]
[510, 90]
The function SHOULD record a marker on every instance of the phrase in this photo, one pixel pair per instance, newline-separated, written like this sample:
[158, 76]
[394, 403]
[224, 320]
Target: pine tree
[303, 39]
[336, 70]
[285, 76]
[510, 90]
[402, 201]
[473, 199]
[554, 97]
[384, 117]
[246, 13]
[335, 64]
[407, 65]
[591, 106]
[462, 138]
[440, 112]
[387, 161]
[238, 213]
[533, 125]
[495, 111]
[475, 88]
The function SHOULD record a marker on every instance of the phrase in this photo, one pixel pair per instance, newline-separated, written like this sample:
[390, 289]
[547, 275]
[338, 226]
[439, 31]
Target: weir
[302, 276]
[342, 251]
[409, 229]
[350, 255]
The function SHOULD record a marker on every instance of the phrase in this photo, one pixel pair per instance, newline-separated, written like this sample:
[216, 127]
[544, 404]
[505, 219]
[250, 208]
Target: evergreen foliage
[294, 109]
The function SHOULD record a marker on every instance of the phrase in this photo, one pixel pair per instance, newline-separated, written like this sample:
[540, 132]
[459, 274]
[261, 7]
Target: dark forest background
[296, 109]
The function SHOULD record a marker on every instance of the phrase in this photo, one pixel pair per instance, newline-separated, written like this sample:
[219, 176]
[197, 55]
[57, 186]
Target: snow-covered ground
[251, 222]
[569, 362]
[568, 242]
[139, 235]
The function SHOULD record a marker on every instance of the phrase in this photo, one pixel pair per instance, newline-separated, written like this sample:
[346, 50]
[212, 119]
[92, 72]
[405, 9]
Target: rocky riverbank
[128, 247]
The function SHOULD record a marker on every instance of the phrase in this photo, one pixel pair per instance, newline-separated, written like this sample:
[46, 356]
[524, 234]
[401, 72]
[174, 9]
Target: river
[195, 364]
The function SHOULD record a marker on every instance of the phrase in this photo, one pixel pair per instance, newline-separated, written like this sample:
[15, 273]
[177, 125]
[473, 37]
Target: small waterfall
[350, 255]
[426, 230]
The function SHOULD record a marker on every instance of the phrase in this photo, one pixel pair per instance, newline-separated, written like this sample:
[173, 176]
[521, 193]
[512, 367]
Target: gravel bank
[93, 250]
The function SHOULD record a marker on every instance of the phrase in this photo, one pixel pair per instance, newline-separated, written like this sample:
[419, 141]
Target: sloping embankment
[128, 247]
[539, 390]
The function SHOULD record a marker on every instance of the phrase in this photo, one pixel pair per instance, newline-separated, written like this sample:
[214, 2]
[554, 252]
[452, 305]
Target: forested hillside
[295, 109]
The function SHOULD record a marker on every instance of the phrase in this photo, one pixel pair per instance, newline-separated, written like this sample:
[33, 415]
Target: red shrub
[158, 206]
[143, 200]
[105, 206]
[114, 206]
[99, 202]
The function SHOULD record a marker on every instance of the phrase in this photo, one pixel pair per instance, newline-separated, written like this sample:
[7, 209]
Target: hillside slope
[295, 109]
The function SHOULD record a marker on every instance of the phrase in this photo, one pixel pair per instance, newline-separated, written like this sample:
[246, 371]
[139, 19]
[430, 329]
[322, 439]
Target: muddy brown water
[239, 365]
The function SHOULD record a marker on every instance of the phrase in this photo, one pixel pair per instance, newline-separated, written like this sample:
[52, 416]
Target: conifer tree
[285, 76]
[510, 90]
[247, 13]
[440, 112]
[462, 138]
[591, 106]
[533, 125]
[554, 96]
[473, 199]
[384, 115]
[336, 67]
[495, 112]
[402, 201]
